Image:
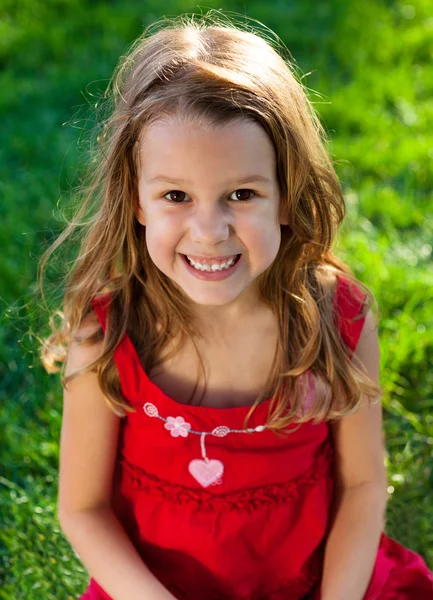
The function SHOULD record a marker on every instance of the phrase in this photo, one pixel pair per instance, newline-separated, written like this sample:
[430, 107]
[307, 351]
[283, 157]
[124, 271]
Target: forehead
[185, 147]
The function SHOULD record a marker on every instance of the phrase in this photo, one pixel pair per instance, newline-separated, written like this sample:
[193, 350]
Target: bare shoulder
[86, 346]
[328, 279]
[90, 429]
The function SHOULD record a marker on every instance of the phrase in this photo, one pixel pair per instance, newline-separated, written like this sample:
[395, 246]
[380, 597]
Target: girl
[221, 433]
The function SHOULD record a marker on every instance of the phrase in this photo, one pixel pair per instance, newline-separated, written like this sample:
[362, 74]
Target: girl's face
[209, 200]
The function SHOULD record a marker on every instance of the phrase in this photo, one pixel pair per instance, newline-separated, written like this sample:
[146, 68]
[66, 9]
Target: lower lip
[212, 275]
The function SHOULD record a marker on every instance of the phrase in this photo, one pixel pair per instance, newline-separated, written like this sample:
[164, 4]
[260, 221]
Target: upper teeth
[213, 265]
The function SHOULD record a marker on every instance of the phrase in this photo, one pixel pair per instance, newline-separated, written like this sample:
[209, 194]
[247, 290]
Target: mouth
[212, 265]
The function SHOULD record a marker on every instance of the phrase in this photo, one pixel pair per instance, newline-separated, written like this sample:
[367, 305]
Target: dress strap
[349, 302]
[131, 373]
[100, 306]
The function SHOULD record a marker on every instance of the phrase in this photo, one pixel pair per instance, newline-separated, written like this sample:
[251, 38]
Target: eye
[241, 195]
[177, 196]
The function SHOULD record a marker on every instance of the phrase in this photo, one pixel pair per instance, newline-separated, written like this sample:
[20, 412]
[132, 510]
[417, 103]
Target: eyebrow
[248, 179]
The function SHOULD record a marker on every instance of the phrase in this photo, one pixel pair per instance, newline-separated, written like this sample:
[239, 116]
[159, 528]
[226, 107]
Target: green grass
[370, 63]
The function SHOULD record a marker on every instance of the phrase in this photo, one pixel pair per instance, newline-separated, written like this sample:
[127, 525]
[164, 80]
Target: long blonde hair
[210, 68]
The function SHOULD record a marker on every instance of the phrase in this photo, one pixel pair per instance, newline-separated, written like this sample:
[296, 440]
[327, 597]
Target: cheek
[162, 237]
[272, 243]
[264, 233]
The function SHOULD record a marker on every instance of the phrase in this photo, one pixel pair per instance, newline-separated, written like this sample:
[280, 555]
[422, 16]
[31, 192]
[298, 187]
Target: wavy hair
[213, 69]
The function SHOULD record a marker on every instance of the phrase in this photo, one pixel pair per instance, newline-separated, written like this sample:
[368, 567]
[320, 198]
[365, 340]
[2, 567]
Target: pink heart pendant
[206, 473]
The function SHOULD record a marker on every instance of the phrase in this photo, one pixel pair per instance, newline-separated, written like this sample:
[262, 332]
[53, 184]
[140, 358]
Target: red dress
[222, 514]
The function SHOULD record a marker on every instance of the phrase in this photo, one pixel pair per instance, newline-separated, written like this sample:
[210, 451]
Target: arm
[87, 455]
[360, 502]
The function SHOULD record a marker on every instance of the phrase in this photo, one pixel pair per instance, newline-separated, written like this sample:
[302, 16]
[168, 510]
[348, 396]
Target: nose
[209, 225]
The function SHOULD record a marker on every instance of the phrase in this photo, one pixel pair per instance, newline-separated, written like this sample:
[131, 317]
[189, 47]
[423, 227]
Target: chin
[211, 300]
[220, 298]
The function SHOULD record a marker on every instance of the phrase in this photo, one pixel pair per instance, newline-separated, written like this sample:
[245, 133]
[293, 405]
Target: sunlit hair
[213, 71]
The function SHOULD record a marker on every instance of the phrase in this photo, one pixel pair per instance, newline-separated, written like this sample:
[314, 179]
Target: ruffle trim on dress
[248, 499]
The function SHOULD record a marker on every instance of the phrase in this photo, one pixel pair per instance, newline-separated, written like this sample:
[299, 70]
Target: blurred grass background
[371, 66]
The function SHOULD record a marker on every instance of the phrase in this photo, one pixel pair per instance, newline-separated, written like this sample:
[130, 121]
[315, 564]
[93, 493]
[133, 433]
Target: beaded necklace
[205, 471]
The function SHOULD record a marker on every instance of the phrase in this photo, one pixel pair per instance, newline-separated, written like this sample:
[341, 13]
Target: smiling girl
[222, 425]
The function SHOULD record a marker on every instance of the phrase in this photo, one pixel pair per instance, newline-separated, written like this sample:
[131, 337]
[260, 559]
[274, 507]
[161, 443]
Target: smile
[212, 264]
[212, 269]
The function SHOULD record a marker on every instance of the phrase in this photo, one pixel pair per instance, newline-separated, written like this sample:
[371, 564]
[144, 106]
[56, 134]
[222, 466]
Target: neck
[221, 322]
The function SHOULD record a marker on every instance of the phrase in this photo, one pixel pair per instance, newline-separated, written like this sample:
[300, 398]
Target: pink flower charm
[177, 426]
